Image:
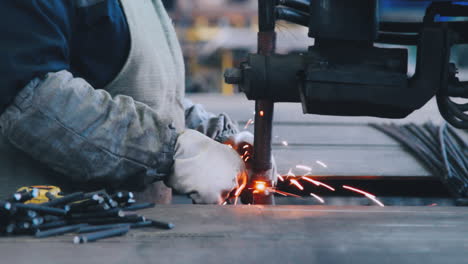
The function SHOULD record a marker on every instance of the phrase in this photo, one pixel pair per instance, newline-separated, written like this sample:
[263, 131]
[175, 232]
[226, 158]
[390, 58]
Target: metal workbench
[261, 234]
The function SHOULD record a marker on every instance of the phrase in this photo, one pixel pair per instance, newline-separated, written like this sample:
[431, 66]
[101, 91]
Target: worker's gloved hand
[243, 143]
[205, 169]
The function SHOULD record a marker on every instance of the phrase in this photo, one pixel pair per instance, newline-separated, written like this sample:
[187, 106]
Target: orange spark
[320, 199]
[286, 193]
[250, 122]
[318, 183]
[303, 167]
[262, 113]
[245, 146]
[298, 185]
[368, 195]
[321, 164]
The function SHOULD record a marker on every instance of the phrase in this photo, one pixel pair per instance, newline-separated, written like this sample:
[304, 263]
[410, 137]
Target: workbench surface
[265, 234]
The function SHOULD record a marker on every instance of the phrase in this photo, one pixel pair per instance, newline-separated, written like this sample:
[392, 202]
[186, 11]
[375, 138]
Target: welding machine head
[345, 74]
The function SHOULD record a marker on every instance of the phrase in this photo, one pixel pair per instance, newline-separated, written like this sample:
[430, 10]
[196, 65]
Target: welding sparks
[250, 122]
[286, 193]
[241, 183]
[285, 143]
[262, 113]
[321, 164]
[320, 199]
[280, 177]
[368, 195]
[318, 183]
[303, 167]
[298, 185]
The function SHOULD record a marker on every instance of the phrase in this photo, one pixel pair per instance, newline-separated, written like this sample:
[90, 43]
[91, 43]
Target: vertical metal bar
[264, 108]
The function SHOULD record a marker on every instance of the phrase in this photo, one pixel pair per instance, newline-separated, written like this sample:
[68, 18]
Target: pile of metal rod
[93, 216]
[441, 149]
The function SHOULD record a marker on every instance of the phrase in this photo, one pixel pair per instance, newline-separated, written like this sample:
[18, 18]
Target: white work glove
[205, 169]
[243, 143]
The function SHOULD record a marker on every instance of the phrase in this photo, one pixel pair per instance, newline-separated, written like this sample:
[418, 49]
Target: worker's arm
[63, 121]
[87, 135]
[83, 132]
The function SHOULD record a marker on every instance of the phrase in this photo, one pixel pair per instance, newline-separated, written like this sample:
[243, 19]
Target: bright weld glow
[298, 185]
[368, 195]
[320, 199]
[321, 164]
[285, 143]
[317, 183]
[250, 122]
[262, 113]
[303, 167]
[260, 186]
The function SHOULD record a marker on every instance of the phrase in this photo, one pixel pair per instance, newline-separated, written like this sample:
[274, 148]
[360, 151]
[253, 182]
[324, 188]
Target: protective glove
[205, 169]
[218, 127]
[243, 143]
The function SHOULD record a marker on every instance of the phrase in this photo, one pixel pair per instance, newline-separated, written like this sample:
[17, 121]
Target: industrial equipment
[344, 73]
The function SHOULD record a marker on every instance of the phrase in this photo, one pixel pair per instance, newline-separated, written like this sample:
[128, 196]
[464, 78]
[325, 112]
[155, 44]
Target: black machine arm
[345, 74]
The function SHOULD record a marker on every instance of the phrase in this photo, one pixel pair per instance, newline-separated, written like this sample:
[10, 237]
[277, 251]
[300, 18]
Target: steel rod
[264, 108]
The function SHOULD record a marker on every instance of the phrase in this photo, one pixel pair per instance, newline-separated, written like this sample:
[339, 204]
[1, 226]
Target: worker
[92, 96]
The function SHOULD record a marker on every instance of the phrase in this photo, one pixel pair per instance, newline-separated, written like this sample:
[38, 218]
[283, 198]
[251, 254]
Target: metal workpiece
[53, 224]
[140, 206]
[92, 237]
[24, 196]
[65, 199]
[114, 212]
[89, 229]
[109, 220]
[40, 209]
[157, 224]
[59, 231]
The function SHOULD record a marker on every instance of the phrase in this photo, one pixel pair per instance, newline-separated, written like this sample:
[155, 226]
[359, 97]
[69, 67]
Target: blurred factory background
[217, 34]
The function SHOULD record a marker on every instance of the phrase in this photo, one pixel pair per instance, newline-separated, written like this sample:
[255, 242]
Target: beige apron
[153, 74]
